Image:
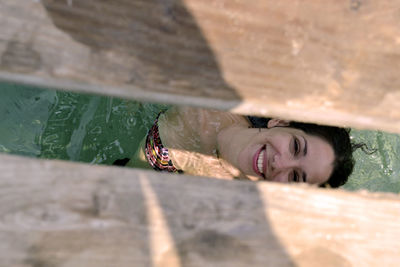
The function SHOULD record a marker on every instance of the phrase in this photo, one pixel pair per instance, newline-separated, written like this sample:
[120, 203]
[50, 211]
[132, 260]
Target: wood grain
[334, 62]
[56, 213]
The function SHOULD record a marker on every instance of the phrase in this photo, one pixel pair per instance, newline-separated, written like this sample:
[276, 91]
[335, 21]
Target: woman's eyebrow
[305, 146]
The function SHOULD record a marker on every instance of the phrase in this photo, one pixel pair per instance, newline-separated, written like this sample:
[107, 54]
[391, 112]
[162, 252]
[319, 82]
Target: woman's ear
[277, 122]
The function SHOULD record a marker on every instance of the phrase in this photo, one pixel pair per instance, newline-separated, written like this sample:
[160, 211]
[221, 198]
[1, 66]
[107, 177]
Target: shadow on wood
[57, 213]
[160, 41]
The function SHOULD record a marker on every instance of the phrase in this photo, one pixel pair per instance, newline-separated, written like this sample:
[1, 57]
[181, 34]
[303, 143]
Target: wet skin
[280, 154]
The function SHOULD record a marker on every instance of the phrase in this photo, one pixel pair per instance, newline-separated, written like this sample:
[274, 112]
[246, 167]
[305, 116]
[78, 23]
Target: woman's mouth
[259, 162]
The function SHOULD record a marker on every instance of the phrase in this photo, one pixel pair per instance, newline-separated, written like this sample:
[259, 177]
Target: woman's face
[279, 154]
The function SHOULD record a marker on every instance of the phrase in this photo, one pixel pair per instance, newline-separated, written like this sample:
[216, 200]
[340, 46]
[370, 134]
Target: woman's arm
[139, 160]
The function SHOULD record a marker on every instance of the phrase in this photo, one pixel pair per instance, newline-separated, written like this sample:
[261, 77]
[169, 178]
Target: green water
[69, 126]
[62, 125]
[381, 170]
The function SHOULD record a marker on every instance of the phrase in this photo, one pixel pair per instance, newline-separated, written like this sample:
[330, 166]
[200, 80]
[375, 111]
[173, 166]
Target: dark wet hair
[338, 138]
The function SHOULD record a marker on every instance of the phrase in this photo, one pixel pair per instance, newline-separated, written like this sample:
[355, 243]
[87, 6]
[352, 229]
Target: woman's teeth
[260, 161]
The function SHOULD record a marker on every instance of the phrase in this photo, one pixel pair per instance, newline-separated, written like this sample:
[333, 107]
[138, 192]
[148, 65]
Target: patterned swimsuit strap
[156, 154]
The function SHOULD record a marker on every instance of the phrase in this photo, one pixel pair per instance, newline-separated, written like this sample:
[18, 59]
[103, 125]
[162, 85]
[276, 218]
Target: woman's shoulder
[195, 129]
[203, 118]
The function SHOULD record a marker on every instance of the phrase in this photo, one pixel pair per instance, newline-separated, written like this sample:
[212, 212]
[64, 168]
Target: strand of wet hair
[364, 147]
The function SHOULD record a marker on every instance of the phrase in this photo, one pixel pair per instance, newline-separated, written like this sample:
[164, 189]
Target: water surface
[69, 126]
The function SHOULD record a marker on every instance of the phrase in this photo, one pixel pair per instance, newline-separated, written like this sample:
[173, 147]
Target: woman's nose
[281, 167]
[283, 162]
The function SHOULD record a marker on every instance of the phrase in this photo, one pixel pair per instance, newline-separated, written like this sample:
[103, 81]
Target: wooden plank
[55, 213]
[332, 61]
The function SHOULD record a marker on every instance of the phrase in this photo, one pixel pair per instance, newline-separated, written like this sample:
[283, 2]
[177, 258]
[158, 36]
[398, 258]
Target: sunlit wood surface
[55, 213]
[331, 61]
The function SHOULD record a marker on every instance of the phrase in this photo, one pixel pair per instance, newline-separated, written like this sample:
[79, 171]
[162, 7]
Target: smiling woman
[224, 145]
[281, 154]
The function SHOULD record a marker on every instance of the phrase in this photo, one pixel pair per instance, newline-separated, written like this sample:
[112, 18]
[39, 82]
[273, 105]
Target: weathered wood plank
[333, 61]
[55, 213]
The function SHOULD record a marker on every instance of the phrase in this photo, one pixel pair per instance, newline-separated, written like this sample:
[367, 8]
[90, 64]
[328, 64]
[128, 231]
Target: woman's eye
[296, 145]
[295, 177]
